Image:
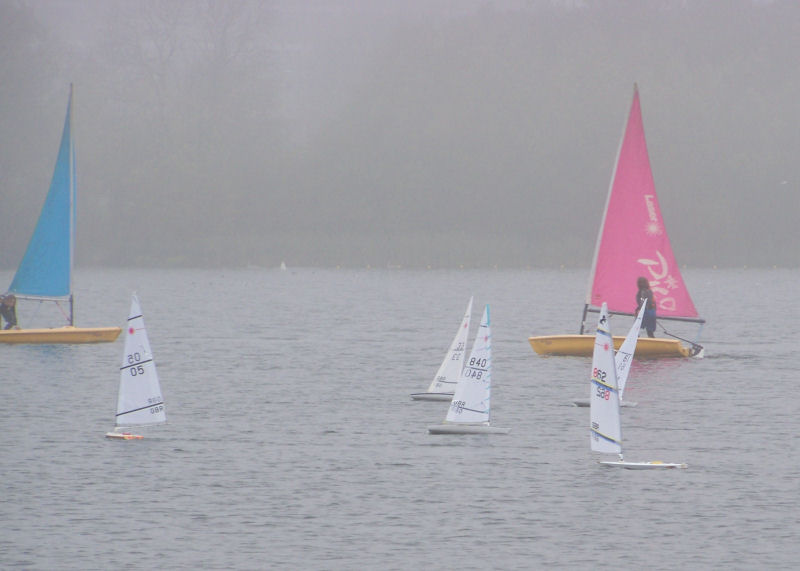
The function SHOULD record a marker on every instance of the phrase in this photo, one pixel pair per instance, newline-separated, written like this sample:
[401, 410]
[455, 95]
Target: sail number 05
[137, 370]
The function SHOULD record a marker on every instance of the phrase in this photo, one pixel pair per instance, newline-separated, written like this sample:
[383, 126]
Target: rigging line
[140, 408]
[695, 346]
[134, 364]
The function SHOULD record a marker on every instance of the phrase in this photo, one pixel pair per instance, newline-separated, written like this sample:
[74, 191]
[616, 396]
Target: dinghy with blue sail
[45, 272]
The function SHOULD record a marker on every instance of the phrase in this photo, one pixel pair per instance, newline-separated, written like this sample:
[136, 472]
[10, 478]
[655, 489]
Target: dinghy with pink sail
[632, 243]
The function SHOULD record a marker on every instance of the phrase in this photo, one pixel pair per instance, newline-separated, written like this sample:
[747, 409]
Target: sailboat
[45, 273]
[605, 435]
[139, 402]
[632, 242]
[623, 359]
[446, 378]
[469, 411]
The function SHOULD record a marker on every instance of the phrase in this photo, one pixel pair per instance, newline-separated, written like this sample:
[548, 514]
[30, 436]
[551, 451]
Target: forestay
[139, 401]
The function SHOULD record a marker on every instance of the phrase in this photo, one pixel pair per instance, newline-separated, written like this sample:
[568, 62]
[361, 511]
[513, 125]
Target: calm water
[292, 441]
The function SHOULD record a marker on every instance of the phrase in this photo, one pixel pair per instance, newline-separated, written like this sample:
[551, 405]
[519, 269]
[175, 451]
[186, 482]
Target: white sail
[606, 430]
[472, 397]
[624, 356]
[139, 401]
[449, 372]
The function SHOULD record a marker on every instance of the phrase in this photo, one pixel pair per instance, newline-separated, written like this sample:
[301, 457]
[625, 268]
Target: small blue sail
[46, 268]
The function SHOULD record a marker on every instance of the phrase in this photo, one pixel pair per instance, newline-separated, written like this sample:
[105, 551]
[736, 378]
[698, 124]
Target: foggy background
[412, 133]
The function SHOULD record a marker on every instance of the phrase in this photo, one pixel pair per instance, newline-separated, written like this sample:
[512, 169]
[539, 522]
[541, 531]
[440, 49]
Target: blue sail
[46, 268]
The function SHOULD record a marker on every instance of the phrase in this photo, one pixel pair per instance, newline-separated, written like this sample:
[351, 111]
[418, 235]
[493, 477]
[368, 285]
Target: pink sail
[633, 241]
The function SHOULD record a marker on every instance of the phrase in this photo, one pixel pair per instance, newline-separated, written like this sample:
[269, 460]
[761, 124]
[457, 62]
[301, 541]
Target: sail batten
[633, 240]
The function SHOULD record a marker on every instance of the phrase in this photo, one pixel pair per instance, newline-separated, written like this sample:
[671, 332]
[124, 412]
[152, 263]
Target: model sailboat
[605, 433]
[632, 243]
[446, 378]
[45, 273]
[624, 358]
[469, 411]
[139, 402]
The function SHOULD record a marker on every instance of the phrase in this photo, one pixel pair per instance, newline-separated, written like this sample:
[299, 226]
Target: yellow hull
[583, 345]
[60, 335]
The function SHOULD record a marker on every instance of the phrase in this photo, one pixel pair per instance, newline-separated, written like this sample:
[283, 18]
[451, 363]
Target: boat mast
[605, 213]
[72, 188]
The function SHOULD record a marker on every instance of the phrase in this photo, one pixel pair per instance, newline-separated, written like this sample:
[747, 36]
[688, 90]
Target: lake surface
[292, 442]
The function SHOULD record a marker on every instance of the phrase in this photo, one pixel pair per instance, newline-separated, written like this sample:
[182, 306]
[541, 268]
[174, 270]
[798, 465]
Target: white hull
[124, 436]
[642, 465]
[433, 396]
[466, 429]
[585, 403]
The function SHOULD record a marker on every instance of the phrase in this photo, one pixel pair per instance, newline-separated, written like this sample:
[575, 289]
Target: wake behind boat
[469, 411]
[446, 378]
[45, 273]
[139, 402]
[605, 431]
[632, 242]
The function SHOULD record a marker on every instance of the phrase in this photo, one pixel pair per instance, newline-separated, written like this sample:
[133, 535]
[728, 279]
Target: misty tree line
[247, 132]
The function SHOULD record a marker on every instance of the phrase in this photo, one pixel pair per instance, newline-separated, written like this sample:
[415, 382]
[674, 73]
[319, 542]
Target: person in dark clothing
[8, 310]
[645, 295]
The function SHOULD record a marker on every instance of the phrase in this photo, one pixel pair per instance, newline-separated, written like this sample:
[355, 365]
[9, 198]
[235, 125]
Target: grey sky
[414, 133]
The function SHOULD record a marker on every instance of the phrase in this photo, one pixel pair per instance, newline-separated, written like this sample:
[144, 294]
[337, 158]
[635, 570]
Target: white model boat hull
[433, 396]
[466, 429]
[585, 403]
[124, 436]
[642, 465]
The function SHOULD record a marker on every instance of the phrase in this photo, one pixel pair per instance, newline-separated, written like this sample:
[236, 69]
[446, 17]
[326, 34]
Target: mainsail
[633, 240]
[605, 432]
[46, 267]
[472, 398]
[139, 401]
[624, 357]
[447, 376]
